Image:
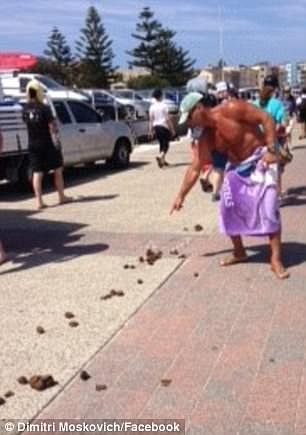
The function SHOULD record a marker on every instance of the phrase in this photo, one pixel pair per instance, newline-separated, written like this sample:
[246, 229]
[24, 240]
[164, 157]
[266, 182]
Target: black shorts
[163, 136]
[45, 159]
[219, 160]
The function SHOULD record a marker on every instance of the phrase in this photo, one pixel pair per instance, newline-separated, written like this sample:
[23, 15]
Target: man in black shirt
[43, 154]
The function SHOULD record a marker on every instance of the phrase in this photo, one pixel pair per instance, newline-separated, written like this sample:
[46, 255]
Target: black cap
[271, 80]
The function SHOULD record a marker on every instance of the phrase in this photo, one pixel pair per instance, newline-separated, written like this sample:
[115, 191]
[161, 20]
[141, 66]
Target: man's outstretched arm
[201, 155]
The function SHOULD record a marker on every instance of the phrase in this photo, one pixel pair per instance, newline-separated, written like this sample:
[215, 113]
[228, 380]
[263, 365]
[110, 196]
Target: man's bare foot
[233, 258]
[280, 271]
[65, 200]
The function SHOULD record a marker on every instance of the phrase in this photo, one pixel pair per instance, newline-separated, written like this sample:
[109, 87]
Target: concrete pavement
[230, 342]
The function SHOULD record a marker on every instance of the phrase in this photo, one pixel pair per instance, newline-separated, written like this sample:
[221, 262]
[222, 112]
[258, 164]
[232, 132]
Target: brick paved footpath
[232, 342]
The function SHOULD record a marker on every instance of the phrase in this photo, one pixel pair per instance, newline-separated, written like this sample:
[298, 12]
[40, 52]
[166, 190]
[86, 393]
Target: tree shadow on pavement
[294, 253]
[34, 242]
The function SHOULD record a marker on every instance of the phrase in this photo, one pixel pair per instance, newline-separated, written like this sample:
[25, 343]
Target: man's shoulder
[234, 105]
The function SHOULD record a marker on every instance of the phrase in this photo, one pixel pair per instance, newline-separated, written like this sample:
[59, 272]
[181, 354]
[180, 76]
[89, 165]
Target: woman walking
[161, 125]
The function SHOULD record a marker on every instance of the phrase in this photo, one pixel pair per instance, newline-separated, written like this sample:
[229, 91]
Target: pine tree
[158, 53]
[58, 50]
[94, 50]
[59, 56]
[173, 63]
[147, 33]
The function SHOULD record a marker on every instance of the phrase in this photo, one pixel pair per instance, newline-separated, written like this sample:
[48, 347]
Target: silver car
[86, 137]
[129, 96]
[106, 103]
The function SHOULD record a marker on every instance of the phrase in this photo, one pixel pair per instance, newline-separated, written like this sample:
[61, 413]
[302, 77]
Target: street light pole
[221, 42]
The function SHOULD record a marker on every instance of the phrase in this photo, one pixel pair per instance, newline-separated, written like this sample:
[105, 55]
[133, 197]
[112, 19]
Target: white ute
[85, 137]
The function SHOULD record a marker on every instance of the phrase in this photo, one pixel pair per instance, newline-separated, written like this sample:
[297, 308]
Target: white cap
[221, 86]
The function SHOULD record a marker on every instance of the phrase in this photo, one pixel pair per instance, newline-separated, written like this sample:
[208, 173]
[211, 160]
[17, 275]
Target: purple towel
[249, 200]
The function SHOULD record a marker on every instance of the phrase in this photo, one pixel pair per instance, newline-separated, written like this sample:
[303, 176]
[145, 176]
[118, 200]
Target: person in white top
[161, 125]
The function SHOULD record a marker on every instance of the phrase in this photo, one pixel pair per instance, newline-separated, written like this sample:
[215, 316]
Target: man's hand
[178, 204]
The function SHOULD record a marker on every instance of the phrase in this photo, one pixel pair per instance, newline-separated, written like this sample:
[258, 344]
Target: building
[240, 76]
[208, 75]
[248, 77]
[215, 74]
[291, 72]
[263, 69]
[132, 73]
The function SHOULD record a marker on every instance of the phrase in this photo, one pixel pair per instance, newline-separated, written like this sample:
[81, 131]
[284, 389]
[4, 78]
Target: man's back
[38, 116]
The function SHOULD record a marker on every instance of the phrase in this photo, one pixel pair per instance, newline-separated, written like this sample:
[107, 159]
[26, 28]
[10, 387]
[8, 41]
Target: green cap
[188, 104]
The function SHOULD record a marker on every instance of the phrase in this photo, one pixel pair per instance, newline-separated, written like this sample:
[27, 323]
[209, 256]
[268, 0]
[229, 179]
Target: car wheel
[121, 155]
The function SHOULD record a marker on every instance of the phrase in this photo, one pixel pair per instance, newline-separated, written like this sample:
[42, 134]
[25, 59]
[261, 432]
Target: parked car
[131, 97]
[85, 137]
[107, 104]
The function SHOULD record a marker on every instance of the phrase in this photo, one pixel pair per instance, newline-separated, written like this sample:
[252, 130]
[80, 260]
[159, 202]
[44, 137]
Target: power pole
[221, 41]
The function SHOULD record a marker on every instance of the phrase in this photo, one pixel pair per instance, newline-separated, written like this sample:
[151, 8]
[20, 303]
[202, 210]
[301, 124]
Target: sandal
[205, 185]
[159, 162]
[233, 259]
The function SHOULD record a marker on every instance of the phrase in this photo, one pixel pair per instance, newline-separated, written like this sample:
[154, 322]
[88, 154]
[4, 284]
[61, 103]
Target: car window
[83, 113]
[170, 96]
[62, 112]
[125, 94]
[107, 112]
[23, 84]
[102, 98]
[138, 97]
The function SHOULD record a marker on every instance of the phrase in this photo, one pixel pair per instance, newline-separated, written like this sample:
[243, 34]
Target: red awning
[9, 61]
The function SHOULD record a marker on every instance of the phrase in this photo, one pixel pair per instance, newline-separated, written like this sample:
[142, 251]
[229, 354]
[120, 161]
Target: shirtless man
[249, 203]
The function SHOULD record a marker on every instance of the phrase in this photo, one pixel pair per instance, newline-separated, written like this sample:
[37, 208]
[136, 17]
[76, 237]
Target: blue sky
[254, 30]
